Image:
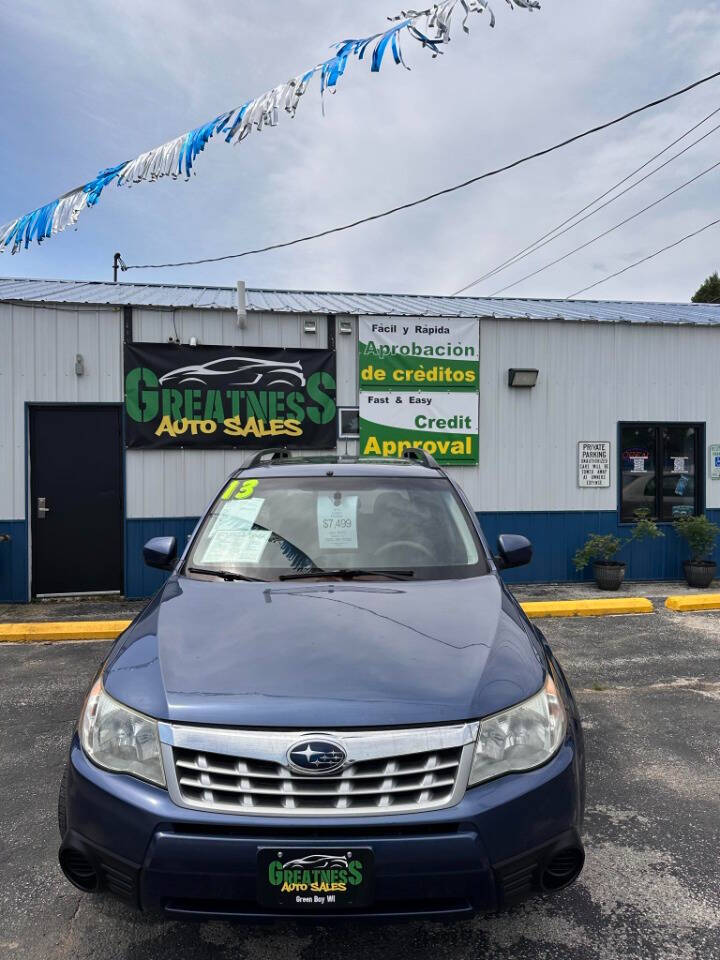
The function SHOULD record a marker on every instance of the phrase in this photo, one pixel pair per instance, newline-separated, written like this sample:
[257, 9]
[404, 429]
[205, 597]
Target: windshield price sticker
[238, 514]
[236, 547]
[337, 522]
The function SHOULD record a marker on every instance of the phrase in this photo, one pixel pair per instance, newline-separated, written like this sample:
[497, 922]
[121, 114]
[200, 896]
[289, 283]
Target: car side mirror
[513, 551]
[160, 552]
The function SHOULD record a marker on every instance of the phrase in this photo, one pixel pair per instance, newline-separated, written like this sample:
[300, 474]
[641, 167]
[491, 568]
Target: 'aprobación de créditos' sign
[419, 383]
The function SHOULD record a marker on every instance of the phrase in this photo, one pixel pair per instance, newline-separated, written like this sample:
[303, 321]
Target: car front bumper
[504, 841]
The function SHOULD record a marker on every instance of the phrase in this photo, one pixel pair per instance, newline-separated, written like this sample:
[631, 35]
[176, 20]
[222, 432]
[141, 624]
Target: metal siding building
[600, 364]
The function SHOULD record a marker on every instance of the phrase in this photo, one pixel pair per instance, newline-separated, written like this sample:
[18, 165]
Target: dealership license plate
[305, 878]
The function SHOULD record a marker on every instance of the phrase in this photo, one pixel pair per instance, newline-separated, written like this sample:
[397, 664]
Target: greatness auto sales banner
[419, 387]
[213, 397]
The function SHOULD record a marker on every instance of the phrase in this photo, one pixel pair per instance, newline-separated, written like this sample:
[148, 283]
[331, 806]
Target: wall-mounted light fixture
[310, 325]
[522, 378]
[346, 327]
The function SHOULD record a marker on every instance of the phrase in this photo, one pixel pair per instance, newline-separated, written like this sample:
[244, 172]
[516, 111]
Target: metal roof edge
[348, 293]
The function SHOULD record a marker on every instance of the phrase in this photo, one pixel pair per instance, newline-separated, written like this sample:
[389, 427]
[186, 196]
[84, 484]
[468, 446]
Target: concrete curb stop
[66, 630]
[685, 603]
[588, 608]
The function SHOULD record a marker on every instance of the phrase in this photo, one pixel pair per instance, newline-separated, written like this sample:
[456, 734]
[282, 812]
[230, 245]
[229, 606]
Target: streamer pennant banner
[430, 28]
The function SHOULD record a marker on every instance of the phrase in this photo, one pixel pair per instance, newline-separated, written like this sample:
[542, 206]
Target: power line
[439, 193]
[554, 234]
[651, 256]
[605, 233]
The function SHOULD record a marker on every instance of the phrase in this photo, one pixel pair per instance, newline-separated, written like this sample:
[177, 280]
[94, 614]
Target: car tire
[62, 805]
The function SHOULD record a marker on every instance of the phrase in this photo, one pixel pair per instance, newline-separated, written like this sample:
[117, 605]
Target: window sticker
[245, 491]
[238, 515]
[681, 486]
[337, 522]
[239, 547]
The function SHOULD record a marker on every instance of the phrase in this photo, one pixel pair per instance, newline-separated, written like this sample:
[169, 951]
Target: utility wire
[553, 234]
[439, 193]
[605, 233]
[651, 256]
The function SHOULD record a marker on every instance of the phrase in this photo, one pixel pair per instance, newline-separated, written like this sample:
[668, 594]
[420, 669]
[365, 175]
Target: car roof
[341, 466]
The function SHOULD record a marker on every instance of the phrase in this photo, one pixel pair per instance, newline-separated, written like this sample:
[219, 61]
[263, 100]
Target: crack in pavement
[705, 688]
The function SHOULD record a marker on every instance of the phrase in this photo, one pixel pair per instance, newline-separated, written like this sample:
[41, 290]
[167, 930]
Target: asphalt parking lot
[649, 692]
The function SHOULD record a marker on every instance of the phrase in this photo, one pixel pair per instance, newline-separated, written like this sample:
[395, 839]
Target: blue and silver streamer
[430, 27]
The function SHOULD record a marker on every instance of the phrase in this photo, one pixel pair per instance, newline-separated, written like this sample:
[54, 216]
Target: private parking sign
[593, 463]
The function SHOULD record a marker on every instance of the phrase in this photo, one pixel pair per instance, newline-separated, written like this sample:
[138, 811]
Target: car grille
[417, 780]
[390, 772]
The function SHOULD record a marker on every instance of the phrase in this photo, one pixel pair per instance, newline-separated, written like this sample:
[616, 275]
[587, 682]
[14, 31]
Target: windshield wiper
[224, 574]
[347, 574]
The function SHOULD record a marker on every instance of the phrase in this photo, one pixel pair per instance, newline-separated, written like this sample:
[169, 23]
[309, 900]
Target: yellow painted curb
[110, 629]
[588, 608]
[686, 602]
[66, 630]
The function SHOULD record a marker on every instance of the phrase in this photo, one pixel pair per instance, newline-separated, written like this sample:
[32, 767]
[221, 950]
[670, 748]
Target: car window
[266, 528]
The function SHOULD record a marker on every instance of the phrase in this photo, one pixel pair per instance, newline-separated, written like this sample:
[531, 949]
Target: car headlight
[520, 738]
[119, 739]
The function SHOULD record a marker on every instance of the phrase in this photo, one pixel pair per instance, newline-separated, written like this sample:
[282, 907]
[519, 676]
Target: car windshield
[282, 527]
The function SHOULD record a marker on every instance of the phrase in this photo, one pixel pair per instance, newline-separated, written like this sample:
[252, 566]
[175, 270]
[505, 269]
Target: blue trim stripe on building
[556, 535]
[14, 562]
[142, 581]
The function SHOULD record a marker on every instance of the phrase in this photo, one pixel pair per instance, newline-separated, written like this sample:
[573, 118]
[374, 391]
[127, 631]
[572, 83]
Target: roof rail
[421, 456]
[272, 453]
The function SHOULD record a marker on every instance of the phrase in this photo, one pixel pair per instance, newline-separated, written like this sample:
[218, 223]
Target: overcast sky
[89, 84]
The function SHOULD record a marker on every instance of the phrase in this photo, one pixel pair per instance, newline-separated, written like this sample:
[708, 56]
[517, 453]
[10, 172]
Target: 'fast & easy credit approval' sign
[419, 383]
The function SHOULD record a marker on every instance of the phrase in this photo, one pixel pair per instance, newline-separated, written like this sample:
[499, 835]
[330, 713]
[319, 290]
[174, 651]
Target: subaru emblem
[316, 756]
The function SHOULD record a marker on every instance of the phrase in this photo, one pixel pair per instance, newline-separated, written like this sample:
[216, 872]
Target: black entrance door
[76, 498]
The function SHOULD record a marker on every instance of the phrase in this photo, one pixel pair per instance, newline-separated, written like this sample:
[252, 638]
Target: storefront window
[659, 470]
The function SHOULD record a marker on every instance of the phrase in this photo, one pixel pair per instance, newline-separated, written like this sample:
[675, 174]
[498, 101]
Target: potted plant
[701, 535]
[602, 549]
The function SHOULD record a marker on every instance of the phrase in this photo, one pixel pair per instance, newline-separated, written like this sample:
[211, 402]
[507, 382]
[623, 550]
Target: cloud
[92, 86]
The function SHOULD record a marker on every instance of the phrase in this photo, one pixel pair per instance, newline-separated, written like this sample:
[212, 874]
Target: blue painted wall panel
[556, 535]
[14, 562]
[142, 581]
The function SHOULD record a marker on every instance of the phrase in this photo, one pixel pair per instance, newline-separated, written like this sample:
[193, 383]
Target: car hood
[320, 656]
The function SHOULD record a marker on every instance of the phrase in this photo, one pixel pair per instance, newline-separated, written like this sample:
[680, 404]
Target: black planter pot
[609, 574]
[699, 573]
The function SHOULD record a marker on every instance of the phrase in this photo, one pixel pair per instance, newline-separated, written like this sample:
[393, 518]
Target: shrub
[605, 547]
[602, 547]
[645, 527]
[700, 534]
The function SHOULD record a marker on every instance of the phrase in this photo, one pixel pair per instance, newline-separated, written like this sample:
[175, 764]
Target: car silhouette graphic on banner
[242, 371]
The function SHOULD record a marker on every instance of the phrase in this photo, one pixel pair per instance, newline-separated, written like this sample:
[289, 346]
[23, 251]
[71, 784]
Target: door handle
[42, 510]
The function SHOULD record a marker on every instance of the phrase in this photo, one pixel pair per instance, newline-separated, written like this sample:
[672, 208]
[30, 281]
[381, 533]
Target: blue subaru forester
[333, 708]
